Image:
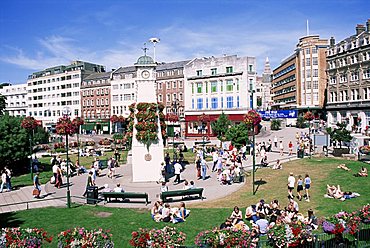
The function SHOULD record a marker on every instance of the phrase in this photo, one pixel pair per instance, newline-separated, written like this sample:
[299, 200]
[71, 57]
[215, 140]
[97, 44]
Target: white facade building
[53, 89]
[215, 85]
[16, 99]
[123, 90]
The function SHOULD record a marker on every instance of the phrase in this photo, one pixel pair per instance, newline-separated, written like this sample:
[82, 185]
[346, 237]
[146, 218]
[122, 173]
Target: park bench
[125, 195]
[183, 192]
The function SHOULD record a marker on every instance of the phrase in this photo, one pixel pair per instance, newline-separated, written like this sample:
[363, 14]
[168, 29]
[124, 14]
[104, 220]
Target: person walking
[291, 183]
[89, 183]
[299, 187]
[36, 183]
[204, 169]
[8, 178]
[214, 159]
[290, 145]
[281, 147]
[275, 141]
[198, 167]
[3, 181]
[307, 186]
[177, 166]
[58, 181]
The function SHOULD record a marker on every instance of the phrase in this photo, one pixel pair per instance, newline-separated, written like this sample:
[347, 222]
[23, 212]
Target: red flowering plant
[365, 150]
[114, 118]
[24, 237]
[140, 238]
[231, 237]
[65, 126]
[308, 116]
[59, 145]
[341, 222]
[105, 142]
[81, 237]
[73, 144]
[168, 237]
[364, 214]
[252, 118]
[29, 123]
[172, 117]
[78, 121]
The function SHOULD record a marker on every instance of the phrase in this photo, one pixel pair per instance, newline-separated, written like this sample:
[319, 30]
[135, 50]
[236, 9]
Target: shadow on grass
[9, 220]
[259, 183]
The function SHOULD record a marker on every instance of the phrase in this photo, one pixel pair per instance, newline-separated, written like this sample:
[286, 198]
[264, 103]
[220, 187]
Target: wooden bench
[125, 195]
[183, 192]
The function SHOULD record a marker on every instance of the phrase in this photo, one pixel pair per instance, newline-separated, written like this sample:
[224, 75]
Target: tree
[340, 133]
[238, 135]
[14, 143]
[259, 101]
[301, 122]
[275, 124]
[220, 126]
[2, 104]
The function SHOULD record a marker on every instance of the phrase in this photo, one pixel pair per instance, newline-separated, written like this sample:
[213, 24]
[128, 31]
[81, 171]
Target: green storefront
[99, 126]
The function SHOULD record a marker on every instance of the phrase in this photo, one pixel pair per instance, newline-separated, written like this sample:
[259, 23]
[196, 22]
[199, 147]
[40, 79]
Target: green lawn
[205, 215]
[24, 180]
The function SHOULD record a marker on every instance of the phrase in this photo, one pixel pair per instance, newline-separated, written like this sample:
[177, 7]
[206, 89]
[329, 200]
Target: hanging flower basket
[252, 118]
[78, 121]
[65, 126]
[29, 123]
[114, 118]
[308, 116]
[172, 117]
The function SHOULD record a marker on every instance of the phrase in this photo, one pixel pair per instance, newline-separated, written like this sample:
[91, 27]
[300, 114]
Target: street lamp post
[254, 149]
[29, 123]
[31, 169]
[174, 111]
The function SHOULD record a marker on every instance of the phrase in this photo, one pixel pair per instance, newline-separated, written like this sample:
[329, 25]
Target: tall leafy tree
[340, 134]
[14, 143]
[220, 126]
[238, 135]
[2, 104]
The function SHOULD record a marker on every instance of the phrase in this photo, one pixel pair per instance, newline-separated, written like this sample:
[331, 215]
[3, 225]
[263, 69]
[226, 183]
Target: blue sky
[37, 34]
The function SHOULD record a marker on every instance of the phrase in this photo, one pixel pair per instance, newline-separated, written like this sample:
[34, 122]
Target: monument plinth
[147, 141]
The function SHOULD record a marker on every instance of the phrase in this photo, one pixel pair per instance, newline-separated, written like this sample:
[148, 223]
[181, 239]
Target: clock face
[145, 74]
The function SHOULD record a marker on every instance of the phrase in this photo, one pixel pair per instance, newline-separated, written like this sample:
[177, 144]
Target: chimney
[360, 28]
[368, 25]
[332, 41]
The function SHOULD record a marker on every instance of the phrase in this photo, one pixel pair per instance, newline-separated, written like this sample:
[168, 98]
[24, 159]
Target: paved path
[213, 189]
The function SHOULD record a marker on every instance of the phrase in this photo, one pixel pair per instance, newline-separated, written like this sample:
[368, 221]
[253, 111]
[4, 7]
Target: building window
[214, 103]
[213, 87]
[229, 102]
[308, 61]
[181, 98]
[238, 101]
[229, 69]
[314, 50]
[214, 71]
[354, 76]
[160, 86]
[159, 98]
[315, 96]
[250, 68]
[174, 97]
[115, 98]
[222, 102]
[180, 84]
[199, 73]
[192, 103]
[315, 73]
[206, 103]
[307, 51]
[127, 97]
[199, 87]
[174, 84]
[314, 61]
[200, 103]
[308, 73]
[315, 84]
[229, 85]
[168, 98]
[168, 85]
[366, 73]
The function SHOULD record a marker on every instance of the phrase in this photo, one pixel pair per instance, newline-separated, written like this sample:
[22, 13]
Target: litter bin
[92, 195]
[300, 154]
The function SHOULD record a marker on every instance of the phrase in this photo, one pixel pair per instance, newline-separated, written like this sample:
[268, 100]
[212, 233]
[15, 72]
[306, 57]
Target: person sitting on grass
[362, 172]
[227, 224]
[236, 216]
[277, 166]
[156, 215]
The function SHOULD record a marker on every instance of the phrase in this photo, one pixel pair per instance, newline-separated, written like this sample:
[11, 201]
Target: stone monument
[146, 159]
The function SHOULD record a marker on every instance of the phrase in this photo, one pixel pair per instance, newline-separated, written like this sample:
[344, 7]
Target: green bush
[275, 124]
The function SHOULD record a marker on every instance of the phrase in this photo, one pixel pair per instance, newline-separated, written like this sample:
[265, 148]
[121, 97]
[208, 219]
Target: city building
[299, 82]
[349, 80]
[263, 88]
[171, 91]
[54, 90]
[95, 103]
[215, 85]
[16, 99]
[123, 90]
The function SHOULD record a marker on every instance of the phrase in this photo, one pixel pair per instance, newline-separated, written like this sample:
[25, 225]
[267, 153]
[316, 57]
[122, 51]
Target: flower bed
[342, 222]
[365, 150]
[81, 237]
[295, 234]
[105, 142]
[157, 238]
[23, 237]
[232, 237]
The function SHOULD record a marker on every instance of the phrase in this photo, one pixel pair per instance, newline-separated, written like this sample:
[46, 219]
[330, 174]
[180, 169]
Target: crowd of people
[163, 212]
[262, 216]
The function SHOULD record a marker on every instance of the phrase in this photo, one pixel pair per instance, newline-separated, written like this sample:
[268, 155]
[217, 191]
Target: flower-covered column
[78, 122]
[308, 116]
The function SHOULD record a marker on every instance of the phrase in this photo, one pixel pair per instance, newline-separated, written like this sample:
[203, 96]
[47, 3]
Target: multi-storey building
[170, 92]
[284, 84]
[16, 99]
[54, 89]
[349, 80]
[123, 90]
[213, 85]
[263, 88]
[95, 103]
[299, 82]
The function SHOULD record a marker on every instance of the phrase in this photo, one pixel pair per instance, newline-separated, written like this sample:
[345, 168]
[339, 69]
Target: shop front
[96, 126]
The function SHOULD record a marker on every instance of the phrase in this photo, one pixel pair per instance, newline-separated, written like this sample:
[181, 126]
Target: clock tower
[146, 161]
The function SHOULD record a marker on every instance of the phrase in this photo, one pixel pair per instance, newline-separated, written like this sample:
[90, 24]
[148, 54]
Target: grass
[206, 215]
[25, 179]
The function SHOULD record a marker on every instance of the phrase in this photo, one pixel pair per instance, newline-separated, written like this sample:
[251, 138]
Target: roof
[125, 69]
[144, 60]
[98, 75]
[172, 65]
